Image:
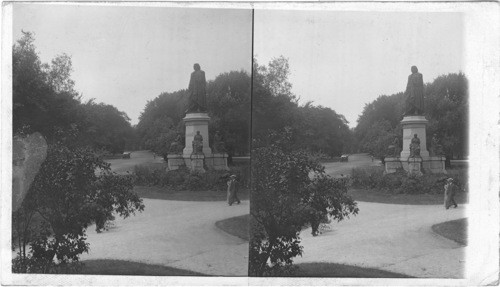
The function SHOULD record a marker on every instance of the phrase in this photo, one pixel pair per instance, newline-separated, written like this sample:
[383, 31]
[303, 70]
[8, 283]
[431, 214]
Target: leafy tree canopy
[45, 101]
[316, 129]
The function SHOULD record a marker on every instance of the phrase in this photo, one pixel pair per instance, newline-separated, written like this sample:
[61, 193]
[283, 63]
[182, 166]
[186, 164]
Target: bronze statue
[219, 146]
[394, 150]
[176, 146]
[415, 146]
[198, 143]
[436, 147]
[414, 93]
[197, 91]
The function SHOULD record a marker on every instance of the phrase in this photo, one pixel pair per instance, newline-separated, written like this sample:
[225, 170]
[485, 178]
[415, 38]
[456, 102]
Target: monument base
[196, 163]
[199, 163]
[414, 166]
[196, 122]
[217, 161]
[419, 165]
[175, 161]
[434, 164]
[392, 164]
[414, 125]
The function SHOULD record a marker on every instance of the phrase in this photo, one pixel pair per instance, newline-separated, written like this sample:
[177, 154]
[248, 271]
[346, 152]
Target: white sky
[344, 60]
[125, 56]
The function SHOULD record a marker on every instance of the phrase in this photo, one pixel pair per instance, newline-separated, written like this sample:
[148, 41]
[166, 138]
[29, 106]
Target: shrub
[183, 179]
[287, 186]
[73, 189]
[401, 182]
[367, 177]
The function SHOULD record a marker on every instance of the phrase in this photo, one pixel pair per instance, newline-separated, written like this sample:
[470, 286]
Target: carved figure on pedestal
[176, 146]
[394, 150]
[198, 143]
[436, 147]
[414, 94]
[218, 146]
[415, 146]
[197, 91]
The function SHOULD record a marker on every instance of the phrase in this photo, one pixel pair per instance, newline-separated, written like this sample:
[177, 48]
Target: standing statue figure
[394, 150]
[436, 147]
[415, 146]
[198, 143]
[397, 149]
[414, 93]
[176, 146]
[197, 91]
[218, 146]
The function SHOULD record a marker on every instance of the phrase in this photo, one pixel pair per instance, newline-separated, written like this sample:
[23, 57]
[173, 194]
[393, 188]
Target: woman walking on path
[449, 193]
[232, 191]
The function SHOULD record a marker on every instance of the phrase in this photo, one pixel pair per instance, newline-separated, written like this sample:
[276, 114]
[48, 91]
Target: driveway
[390, 237]
[182, 234]
[121, 166]
[179, 234]
[335, 169]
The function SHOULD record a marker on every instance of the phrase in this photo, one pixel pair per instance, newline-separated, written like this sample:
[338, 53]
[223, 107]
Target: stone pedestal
[195, 122]
[197, 163]
[392, 164]
[175, 161]
[434, 164]
[217, 161]
[415, 166]
[414, 125]
[424, 164]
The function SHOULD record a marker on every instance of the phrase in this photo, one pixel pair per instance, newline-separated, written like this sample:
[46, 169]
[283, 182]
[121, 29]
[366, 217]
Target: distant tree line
[45, 101]
[446, 108]
[314, 128]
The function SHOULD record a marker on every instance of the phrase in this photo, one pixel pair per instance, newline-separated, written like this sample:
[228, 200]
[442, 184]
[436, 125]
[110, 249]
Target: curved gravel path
[183, 234]
[391, 237]
[179, 234]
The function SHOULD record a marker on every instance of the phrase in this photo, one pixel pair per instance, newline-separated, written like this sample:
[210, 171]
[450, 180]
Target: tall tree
[287, 188]
[274, 107]
[43, 99]
[107, 127]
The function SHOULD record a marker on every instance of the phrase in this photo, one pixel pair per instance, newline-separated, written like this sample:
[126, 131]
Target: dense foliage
[316, 129]
[446, 108]
[73, 189]
[287, 189]
[45, 101]
[401, 183]
[183, 179]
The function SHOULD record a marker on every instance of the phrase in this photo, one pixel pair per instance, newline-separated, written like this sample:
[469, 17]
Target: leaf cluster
[73, 189]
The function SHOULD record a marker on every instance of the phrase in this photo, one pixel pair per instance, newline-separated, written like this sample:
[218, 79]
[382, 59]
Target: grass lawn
[122, 267]
[157, 192]
[373, 195]
[321, 269]
[455, 230]
[237, 226]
